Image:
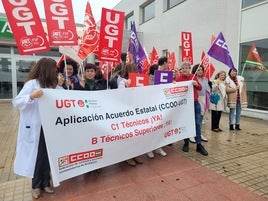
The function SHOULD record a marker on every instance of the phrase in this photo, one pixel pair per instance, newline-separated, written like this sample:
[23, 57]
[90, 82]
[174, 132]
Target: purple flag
[136, 49]
[163, 77]
[220, 52]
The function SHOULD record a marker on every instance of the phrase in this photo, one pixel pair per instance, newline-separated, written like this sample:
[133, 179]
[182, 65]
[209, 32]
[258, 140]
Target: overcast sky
[78, 7]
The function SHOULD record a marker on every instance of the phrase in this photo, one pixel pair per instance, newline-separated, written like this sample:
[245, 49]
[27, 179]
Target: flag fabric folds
[90, 38]
[154, 57]
[209, 68]
[136, 49]
[254, 59]
[220, 52]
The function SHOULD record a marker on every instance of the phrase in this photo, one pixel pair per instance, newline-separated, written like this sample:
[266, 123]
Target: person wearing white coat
[31, 155]
[218, 87]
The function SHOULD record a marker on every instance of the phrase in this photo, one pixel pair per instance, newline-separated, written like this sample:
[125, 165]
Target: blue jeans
[235, 112]
[198, 122]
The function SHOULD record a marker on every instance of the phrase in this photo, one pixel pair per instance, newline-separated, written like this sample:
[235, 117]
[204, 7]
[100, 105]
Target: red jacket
[182, 78]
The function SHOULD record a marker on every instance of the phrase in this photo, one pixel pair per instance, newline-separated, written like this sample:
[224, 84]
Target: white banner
[87, 130]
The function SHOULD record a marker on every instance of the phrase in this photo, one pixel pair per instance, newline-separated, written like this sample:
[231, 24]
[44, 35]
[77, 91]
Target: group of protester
[31, 156]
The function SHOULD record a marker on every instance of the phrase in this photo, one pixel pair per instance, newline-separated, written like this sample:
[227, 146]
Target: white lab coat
[29, 130]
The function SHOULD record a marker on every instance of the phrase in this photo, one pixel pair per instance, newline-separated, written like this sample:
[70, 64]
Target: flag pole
[65, 67]
[198, 66]
[107, 74]
[242, 72]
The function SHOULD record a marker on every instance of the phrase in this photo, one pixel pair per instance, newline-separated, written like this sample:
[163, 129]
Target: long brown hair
[129, 68]
[45, 71]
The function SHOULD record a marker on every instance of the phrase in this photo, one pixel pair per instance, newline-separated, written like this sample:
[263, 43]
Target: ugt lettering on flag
[220, 52]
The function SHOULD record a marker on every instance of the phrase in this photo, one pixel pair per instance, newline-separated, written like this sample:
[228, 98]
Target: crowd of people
[225, 91]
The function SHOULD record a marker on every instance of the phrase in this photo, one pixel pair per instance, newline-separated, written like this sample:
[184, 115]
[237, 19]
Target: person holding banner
[31, 154]
[187, 76]
[218, 100]
[198, 70]
[69, 71]
[237, 97]
[90, 83]
[123, 81]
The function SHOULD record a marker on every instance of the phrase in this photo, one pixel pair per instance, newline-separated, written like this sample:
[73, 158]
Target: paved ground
[236, 169]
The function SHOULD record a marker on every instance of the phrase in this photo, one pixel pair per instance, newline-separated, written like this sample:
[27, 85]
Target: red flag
[186, 47]
[145, 66]
[111, 35]
[254, 58]
[171, 61]
[138, 80]
[60, 20]
[106, 67]
[26, 26]
[154, 57]
[209, 68]
[90, 38]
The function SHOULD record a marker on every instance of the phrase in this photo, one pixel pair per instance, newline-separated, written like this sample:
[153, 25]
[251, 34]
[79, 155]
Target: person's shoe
[203, 138]
[220, 130]
[49, 190]
[131, 162]
[192, 140]
[161, 152]
[237, 127]
[150, 154]
[36, 193]
[138, 160]
[231, 128]
[215, 130]
[185, 147]
[200, 149]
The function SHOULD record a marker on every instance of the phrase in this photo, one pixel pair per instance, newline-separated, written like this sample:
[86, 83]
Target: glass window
[172, 3]
[148, 11]
[255, 78]
[246, 3]
[5, 50]
[5, 79]
[129, 18]
[23, 69]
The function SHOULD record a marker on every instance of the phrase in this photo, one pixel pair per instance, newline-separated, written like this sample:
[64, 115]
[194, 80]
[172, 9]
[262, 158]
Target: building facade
[242, 22]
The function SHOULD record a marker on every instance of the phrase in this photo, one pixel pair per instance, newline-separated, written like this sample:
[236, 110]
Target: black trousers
[41, 177]
[215, 119]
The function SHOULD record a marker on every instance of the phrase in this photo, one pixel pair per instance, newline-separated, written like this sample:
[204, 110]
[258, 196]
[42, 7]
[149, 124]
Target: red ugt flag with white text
[26, 26]
[186, 47]
[111, 35]
[60, 20]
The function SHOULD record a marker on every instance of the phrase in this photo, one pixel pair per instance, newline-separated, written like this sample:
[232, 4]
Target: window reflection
[5, 78]
[256, 80]
[246, 3]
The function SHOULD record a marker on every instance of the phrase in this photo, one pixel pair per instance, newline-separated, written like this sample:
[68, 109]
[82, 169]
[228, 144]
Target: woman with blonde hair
[218, 100]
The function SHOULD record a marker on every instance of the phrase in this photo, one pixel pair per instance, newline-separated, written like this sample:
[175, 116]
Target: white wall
[202, 18]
